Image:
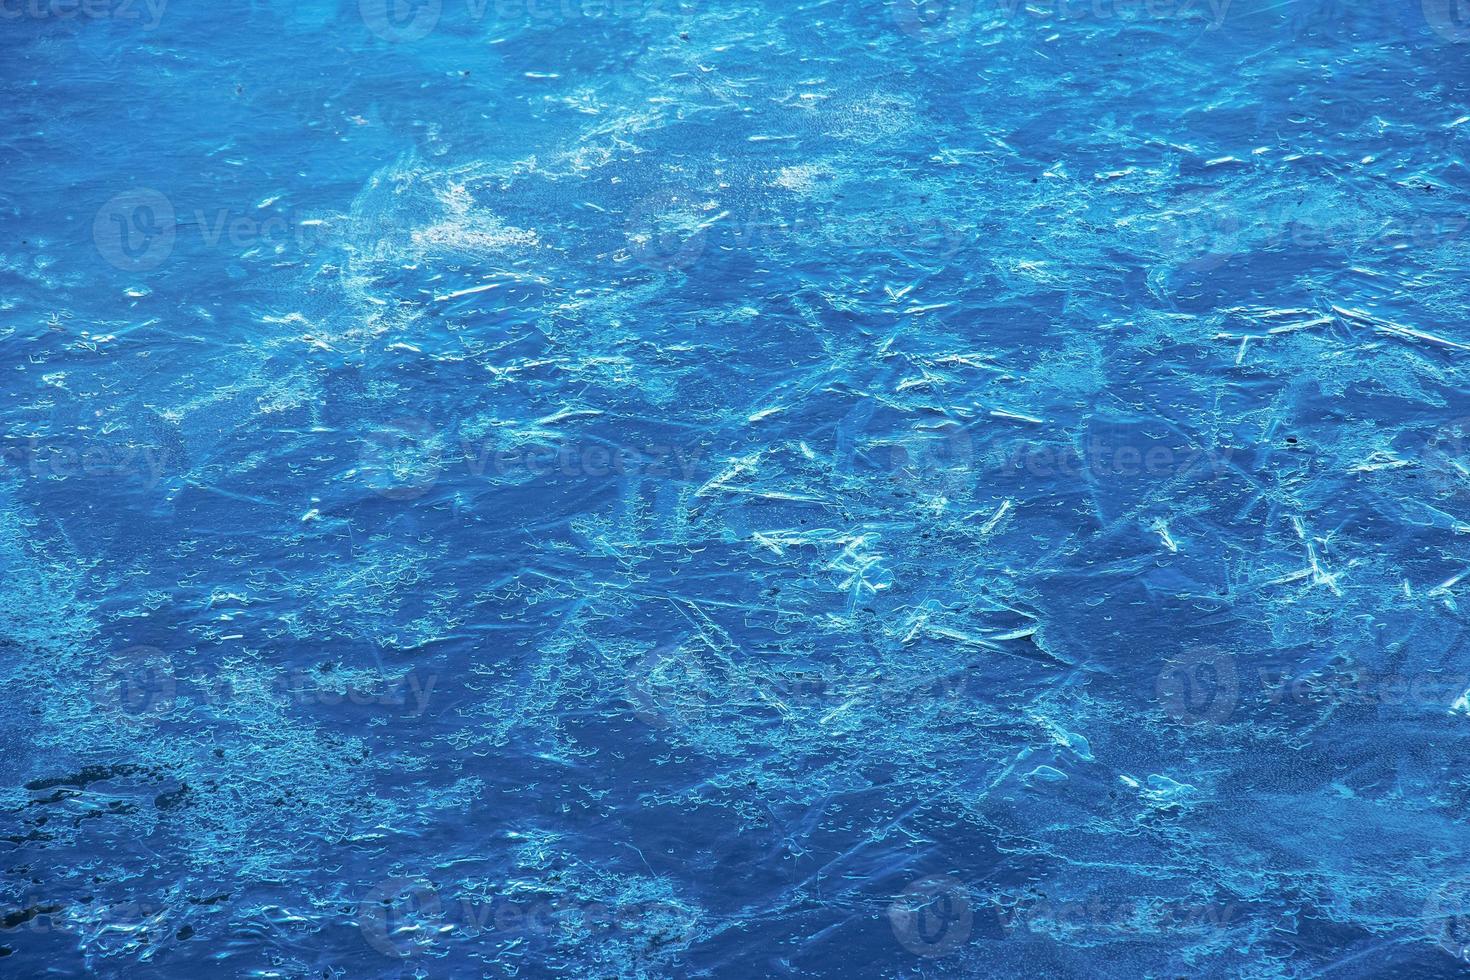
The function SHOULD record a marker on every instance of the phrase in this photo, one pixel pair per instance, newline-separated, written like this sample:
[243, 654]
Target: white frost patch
[802, 179]
[880, 116]
[473, 234]
[464, 227]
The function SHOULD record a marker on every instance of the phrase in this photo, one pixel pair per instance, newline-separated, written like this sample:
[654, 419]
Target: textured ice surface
[657, 488]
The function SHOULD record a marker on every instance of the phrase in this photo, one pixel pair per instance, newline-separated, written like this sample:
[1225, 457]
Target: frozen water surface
[650, 488]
